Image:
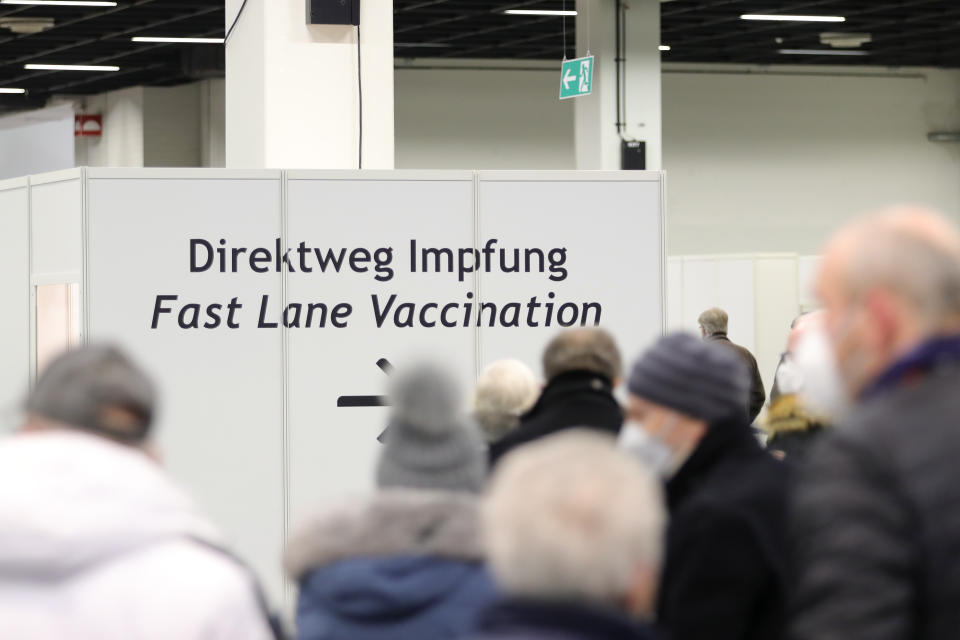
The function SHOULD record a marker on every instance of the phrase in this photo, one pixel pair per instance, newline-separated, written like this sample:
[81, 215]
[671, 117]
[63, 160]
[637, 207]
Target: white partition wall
[602, 261]
[221, 388]
[270, 306]
[373, 217]
[15, 290]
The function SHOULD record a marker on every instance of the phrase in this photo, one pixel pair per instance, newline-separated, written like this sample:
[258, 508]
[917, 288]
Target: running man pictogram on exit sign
[576, 78]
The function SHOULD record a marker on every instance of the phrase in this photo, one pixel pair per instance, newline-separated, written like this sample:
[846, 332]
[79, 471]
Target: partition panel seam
[478, 335]
[284, 375]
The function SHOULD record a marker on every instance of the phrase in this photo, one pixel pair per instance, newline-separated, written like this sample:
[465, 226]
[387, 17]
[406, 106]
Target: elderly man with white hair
[876, 530]
[574, 535]
[505, 391]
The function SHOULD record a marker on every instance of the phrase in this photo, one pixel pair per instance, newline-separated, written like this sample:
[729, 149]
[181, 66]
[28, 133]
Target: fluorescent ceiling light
[425, 45]
[11, 90]
[823, 52]
[664, 47]
[178, 40]
[63, 3]
[69, 67]
[539, 12]
[782, 18]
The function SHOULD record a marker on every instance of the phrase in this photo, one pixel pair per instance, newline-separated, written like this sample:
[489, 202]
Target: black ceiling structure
[901, 33]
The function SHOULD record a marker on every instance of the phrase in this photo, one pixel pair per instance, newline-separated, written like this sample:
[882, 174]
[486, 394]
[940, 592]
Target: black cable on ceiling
[226, 38]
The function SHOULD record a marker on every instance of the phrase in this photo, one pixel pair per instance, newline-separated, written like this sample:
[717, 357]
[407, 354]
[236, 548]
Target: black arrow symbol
[368, 401]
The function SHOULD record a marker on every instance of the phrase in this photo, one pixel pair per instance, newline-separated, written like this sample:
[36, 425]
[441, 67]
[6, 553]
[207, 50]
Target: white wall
[756, 161]
[213, 122]
[466, 119]
[36, 141]
[171, 126]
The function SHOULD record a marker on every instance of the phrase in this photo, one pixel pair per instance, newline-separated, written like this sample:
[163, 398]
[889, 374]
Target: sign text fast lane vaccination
[542, 308]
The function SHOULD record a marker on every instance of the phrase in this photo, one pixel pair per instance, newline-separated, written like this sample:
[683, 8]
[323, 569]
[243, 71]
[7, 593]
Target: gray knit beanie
[80, 388]
[700, 379]
[431, 443]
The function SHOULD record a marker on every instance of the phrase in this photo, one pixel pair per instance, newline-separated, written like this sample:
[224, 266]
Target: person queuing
[574, 531]
[505, 390]
[792, 427]
[875, 529]
[582, 367]
[713, 327]
[725, 572]
[408, 562]
[95, 540]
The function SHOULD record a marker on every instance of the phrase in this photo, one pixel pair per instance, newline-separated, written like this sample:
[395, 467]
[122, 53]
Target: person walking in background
[725, 571]
[791, 426]
[875, 526]
[95, 540]
[506, 390]
[582, 367]
[574, 531]
[407, 562]
[713, 327]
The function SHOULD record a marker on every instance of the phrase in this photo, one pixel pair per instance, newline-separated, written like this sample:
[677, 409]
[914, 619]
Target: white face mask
[789, 377]
[824, 391]
[650, 450]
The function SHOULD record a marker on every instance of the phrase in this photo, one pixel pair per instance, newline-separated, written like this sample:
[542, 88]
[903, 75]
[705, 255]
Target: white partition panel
[777, 306]
[15, 291]
[720, 281]
[806, 273]
[601, 238]
[221, 388]
[396, 312]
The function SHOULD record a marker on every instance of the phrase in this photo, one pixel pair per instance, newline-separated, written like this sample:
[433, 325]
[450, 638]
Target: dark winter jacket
[528, 620]
[570, 400]
[876, 526]
[405, 566]
[791, 429]
[757, 393]
[725, 571]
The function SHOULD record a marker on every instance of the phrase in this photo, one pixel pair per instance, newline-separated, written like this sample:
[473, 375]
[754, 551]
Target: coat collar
[722, 440]
[570, 620]
[933, 355]
[394, 522]
[572, 382]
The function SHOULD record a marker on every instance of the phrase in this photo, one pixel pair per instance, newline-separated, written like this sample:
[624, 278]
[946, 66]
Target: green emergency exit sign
[576, 78]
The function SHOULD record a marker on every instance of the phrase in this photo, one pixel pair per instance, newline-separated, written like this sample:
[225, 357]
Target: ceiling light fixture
[70, 67]
[11, 90]
[784, 18]
[823, 52]
[63, 3]
[177, 40]
[539, 12]
[664, 47]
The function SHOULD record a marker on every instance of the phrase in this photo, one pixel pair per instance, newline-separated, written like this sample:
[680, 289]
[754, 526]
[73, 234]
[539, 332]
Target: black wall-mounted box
[633, 154]
[333, 12]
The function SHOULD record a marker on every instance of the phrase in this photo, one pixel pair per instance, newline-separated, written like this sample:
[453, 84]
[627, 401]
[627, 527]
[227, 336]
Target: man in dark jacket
[713, 327]
[574, 532]
[875, 527]
[582, 366]
[725, 571]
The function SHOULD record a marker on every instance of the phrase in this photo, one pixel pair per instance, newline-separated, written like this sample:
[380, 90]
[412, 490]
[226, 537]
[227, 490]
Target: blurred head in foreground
[572, 519]
[888, 283]
[431, 443]
[583, 350]
[97, 389]
[505, 391]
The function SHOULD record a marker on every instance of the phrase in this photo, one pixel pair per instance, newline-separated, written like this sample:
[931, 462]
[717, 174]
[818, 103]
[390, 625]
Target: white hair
[505, 390]
[571, 517]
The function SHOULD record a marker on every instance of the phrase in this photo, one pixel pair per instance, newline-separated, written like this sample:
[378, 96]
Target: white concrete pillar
[597, 138]
[212, 125]
[121, 144]
[292, 97]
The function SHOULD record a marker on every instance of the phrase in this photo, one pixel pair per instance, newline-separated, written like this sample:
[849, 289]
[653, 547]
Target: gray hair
[96, 388]
[913, 253]
[714, 321]
[589, 349]
[505, 390]
[571, 517]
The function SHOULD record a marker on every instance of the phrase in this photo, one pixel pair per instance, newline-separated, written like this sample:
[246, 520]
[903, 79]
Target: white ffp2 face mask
[651, 451]
[789, 377]
[824, 391]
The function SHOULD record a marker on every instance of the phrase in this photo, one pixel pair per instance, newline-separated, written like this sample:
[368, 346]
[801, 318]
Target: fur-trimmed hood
[392, 523]
[788, 415]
